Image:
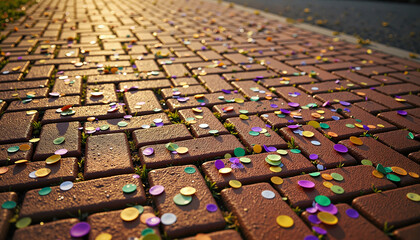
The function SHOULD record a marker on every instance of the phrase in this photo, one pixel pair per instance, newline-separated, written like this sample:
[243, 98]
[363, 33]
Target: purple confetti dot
[314, 219]
[211, 207]
[344, 103]
[402, 112]
[256, 129]
[226, 91]
[153, 221]
[293, 104]
[219, 164]
[311, 237]
[326, 103]
[148, 151]
[312, 209]
[274, 105]
[313, 156]
[329, 209]
[352, 213]
[284, 111]
[80, 229]
[340, 148]
[319, 230]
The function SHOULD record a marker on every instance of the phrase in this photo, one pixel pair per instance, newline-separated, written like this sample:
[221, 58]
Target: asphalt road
[390, 23]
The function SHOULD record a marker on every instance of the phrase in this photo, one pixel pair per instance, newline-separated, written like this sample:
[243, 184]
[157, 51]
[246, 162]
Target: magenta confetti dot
[326, 103]
[127, 117]
[219, 164]
[306, 184]
[319, 230]
[340, 148]
[293, 126]
[402, 112]
[136, 176]
[314, 219]
[61, 151]
[148, 151]
[256, 129]
[293, 104]
[211, 207]
[80, 229]
[156, 190]
[312, 209]
[329, 209]
[352, 213]
[153, 221]
[313, 156]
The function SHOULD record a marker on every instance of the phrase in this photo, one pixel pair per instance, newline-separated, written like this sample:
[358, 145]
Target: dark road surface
[390, 23]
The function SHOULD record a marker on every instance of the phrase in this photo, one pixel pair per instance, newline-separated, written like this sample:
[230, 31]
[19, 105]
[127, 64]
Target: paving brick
[111, 223]
[243, 127]
[347, 227]
[252, 89]
[357, 180]
[257, 214]
[111, 78]
[224, 234]
[141, 102]
[82, 113]
[6, 214]
[251, 107]
[199, 149]
[17, 178]
[46, 147]
[23, 85]
[59, 229]
[44, 103]
[214, 83]
[404, 211]
[380, 98]
[104, 158]
[409, 122]
[383, 155]
[164, 134]
[300, 116]
[6, 157]
[133, 123]
[86, 196]
[192, 218]
[329, 86]
[335, 97]
[179, 82]
[258, 170]
[108, 94]
[319, 74]
[371, 107]
[327, 158]
[209, 100]
[357, 78]
[249, 75]
[195, 119]
[399, 89]
[68, 86]
[292, 94]
[407, 233]
[278, 66]
[399, 141]
[40, 72]
[16, 127]
[375, 70]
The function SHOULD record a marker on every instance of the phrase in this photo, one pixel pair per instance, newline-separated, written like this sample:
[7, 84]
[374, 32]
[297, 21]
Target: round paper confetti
[399, 171]
[315, 174]
[327, 218]
[235, 184]
[3, 170]
[24, 147]
[182, 150]
[356, 141]
[284, 221]
[322, 200]
[327, 184]
[316, 143]
[276, 180]
[308, 134]
[413, 175]
[319, 230]
[32, 174]
[129, 188]
[148, 151]
[326, 176]
[13, 149]
[219, 164]
[311, 237]
[337, 189]
[129, 214]
[275, 169]
[59, 140]
[274, 157]
[225, 170]
[182, 200]
[9, 205]
[66, 185]
[239, 152]
[257, 148]
[104, 236]
[245, 160]
[203, 125]
[61, 152]
[282, 152]
[377, 174]
[211, 207]
[80, 229]
[352, 213]
[168, 219]
[44, 191]
[268, 194]
[393, 178]
[187, 191]
[340, 148]
[189, 170]
[313, 156]
[23, 222]
[43, 172]
[306, 184]
[367, 162]
[337, 177]
[413, 197]
[329, 209]
[53, 159]
[145, 216]
[156, 190]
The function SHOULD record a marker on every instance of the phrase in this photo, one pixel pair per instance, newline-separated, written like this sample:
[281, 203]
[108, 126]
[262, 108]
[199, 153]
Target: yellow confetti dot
[235, 184]
[308, 134]
[53, 159]
[129, 214]
[377, 174]
[187, 191]
[327, 218]
[104, 236]
[413, 174]
[327, 184]
[182, 150]
[413, 197]
[356, 140]
[275, 169]
[276, 180]
[326, 176]
[43, 172]
[284, 221]
[257, 148]
[225, 170]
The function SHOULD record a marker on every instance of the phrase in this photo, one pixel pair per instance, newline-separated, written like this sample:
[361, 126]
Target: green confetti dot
[129, 188]
[239, 152]
[315, 174]
[337, 189]
[295, 151]
[189, 170]
[323, 200]
[324, 125]
[9, 205]
[44, 191]
[367, 162]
